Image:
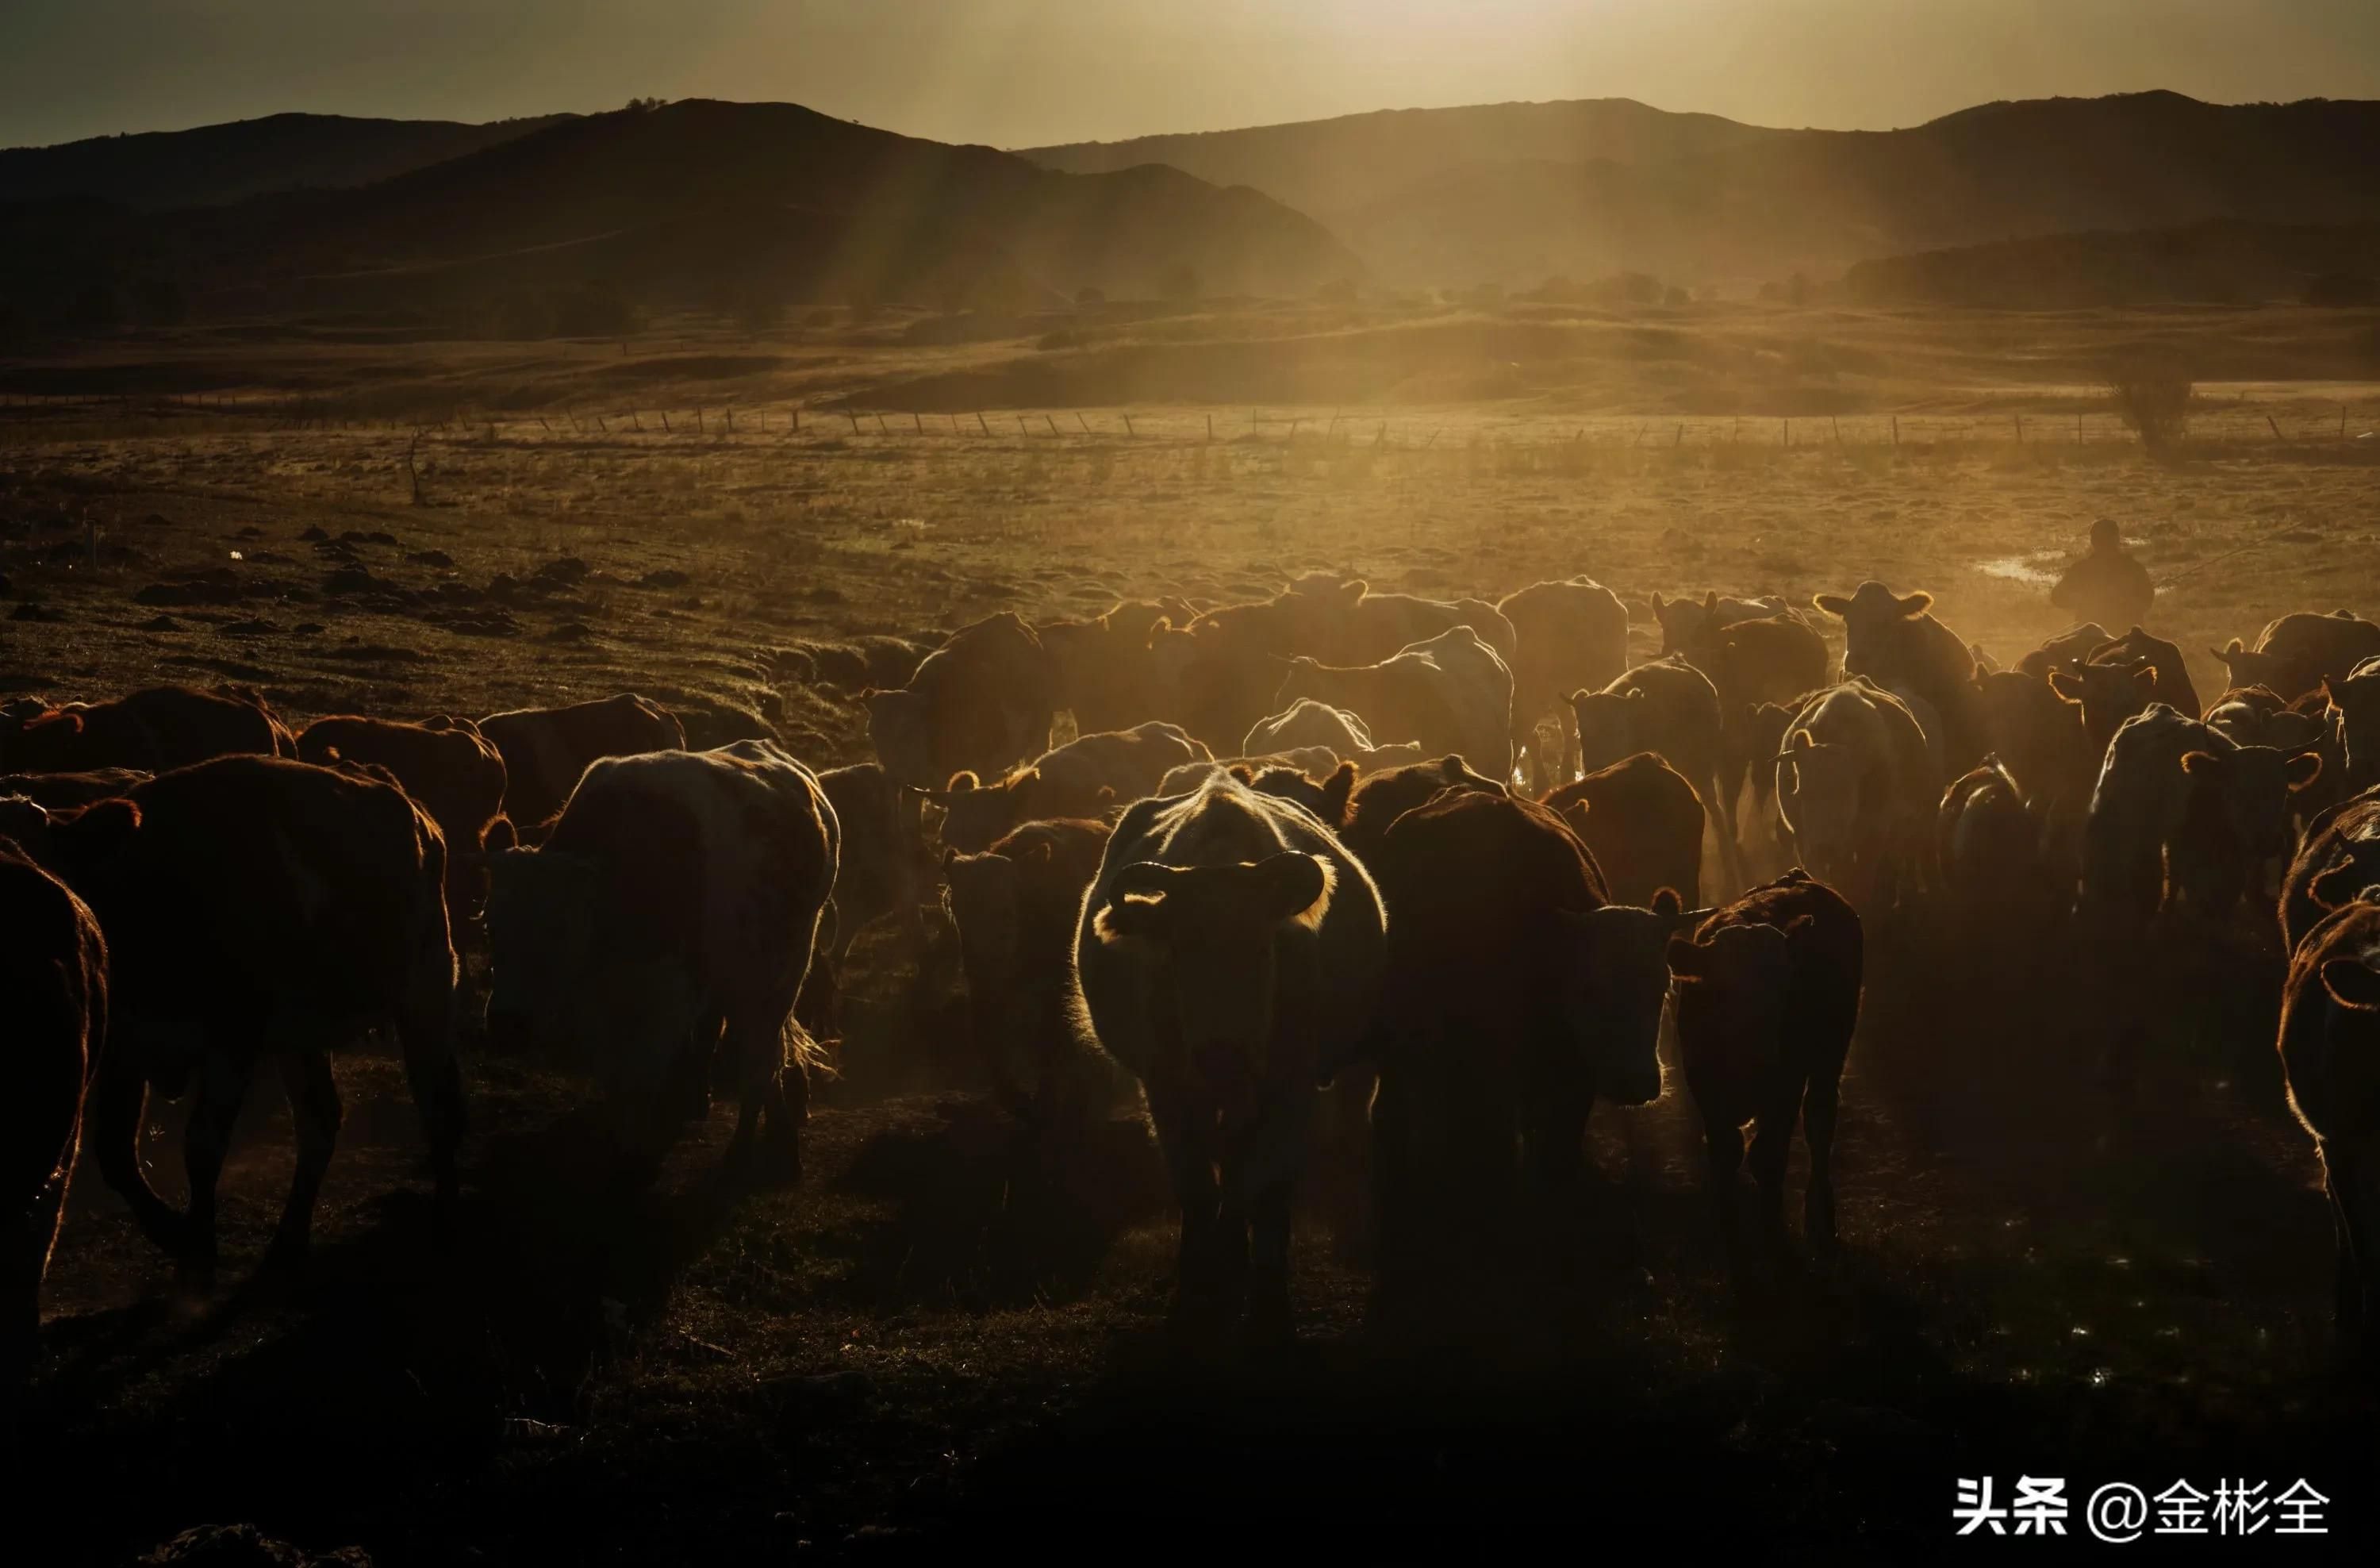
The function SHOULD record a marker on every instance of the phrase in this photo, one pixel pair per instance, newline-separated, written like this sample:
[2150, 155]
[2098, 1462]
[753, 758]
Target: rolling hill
[157, 171]
[1515, 192]
[698, 201]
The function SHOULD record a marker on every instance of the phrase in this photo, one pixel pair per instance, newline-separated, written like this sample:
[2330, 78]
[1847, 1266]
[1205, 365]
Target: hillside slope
[1513, 193]
[208, 166]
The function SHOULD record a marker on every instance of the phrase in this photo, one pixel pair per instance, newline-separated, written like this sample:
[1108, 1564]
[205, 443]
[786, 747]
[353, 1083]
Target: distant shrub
[1088, 297]
[2340, 291]
[1676, 297]
[2151, 392]
[1182, 282]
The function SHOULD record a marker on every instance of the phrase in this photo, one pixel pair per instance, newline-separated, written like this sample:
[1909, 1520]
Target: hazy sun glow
[1024, 72]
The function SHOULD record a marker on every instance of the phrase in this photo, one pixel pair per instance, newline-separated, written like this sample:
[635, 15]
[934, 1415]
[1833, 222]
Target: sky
[1015, 73]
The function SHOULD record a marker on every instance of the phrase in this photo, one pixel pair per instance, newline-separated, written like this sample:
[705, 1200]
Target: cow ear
[2352, 983]
[1667, 904]
[1915, 603]
[1242, 772]
[1335, 792]
[2303, 769]
[1635, 695]
[1038, 853]
[948, 856]
[1451, 767]
[1710, 602]
[2200, 762]
[2233, 650]
[1658, 604]
[2145, 676]
[1355, 589]
[1832, 603]
[1801, 740]
[961, 783]
[2067, 686]
[1580, 695]
[1289, 885]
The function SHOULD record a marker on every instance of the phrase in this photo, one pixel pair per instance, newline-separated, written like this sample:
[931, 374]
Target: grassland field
[2060, 1257]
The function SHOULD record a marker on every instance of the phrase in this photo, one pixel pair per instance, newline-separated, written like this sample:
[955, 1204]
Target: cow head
[1730, 989]
[975, 815]
[2108, 693]
[900, 726]
[1876, 627]
[1683, 622]
[540, 919]
[980, 894]
[1609, 725]
[1819, 791]
[28, 824]
[2356, 700]
[1615, 978]
[2247, 668]
[1218, 927]
[2022, 714]
[2253, 784]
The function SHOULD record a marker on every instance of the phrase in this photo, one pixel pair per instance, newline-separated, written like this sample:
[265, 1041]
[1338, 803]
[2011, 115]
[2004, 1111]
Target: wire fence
[2225, 424]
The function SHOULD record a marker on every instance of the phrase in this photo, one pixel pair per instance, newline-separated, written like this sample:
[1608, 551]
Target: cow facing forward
[1229, 957]
[665, 926]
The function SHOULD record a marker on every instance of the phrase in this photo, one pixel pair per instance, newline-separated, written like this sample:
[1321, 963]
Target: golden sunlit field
[2060, 1256]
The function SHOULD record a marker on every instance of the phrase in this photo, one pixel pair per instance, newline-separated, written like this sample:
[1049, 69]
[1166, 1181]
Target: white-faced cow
[664, 929]
[1229, 957]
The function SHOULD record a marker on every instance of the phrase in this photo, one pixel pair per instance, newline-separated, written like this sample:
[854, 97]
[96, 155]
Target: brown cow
[1642, 823]
[258, 908]
[62, 792]
[2174, 687]
[2354, 700]
[53, 972]
[2301, 650]
[2108, 694]
[1452, 693]
[2066, 651]
[1101, 669]
[545, 749]
[2336, 859]
[1989, 842]
[1516, 994]
[1750, 662]
[454, 773]
[882, 871]
[1375, 805]
[1016, 906]
[1668, 707]
[1685, 622]
[154, 730]
[1565, 635]
[2041, 738]
[1082, 778]
[981, 703]
[1891, 638]
[2330, 1053]
[1768, 995]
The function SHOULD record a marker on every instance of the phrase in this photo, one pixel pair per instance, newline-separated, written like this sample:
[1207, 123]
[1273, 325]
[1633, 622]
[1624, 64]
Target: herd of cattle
[1285, 884]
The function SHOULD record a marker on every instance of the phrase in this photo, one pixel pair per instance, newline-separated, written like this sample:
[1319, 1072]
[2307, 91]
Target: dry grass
[2052, 1265]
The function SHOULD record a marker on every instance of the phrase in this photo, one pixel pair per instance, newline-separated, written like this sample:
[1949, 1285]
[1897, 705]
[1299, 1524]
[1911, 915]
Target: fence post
[1678, 440]
[855, 419]
[1053, 424]
[980, 425]
[1210, 426]
[1896, 430]
[665, 424]
[1130, 433]
[2276, 429]
[1836, 425]
[1084, 422]
[698, 423]
[919, 419]
[1787, 425]
[2019, 428]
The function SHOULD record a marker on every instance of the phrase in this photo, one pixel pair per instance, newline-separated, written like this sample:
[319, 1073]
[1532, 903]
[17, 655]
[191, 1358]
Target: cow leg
[1190, 1160]
[2348, 1177]
[1772, 1140]
[214, 1108]
[1555, 1120]
[425, 1032]
[1818, 1108]
[762, 1073]
[315, 1110]
[1722, 822]
[117, 1110]
[1268, 1315]
[1725, 1142]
